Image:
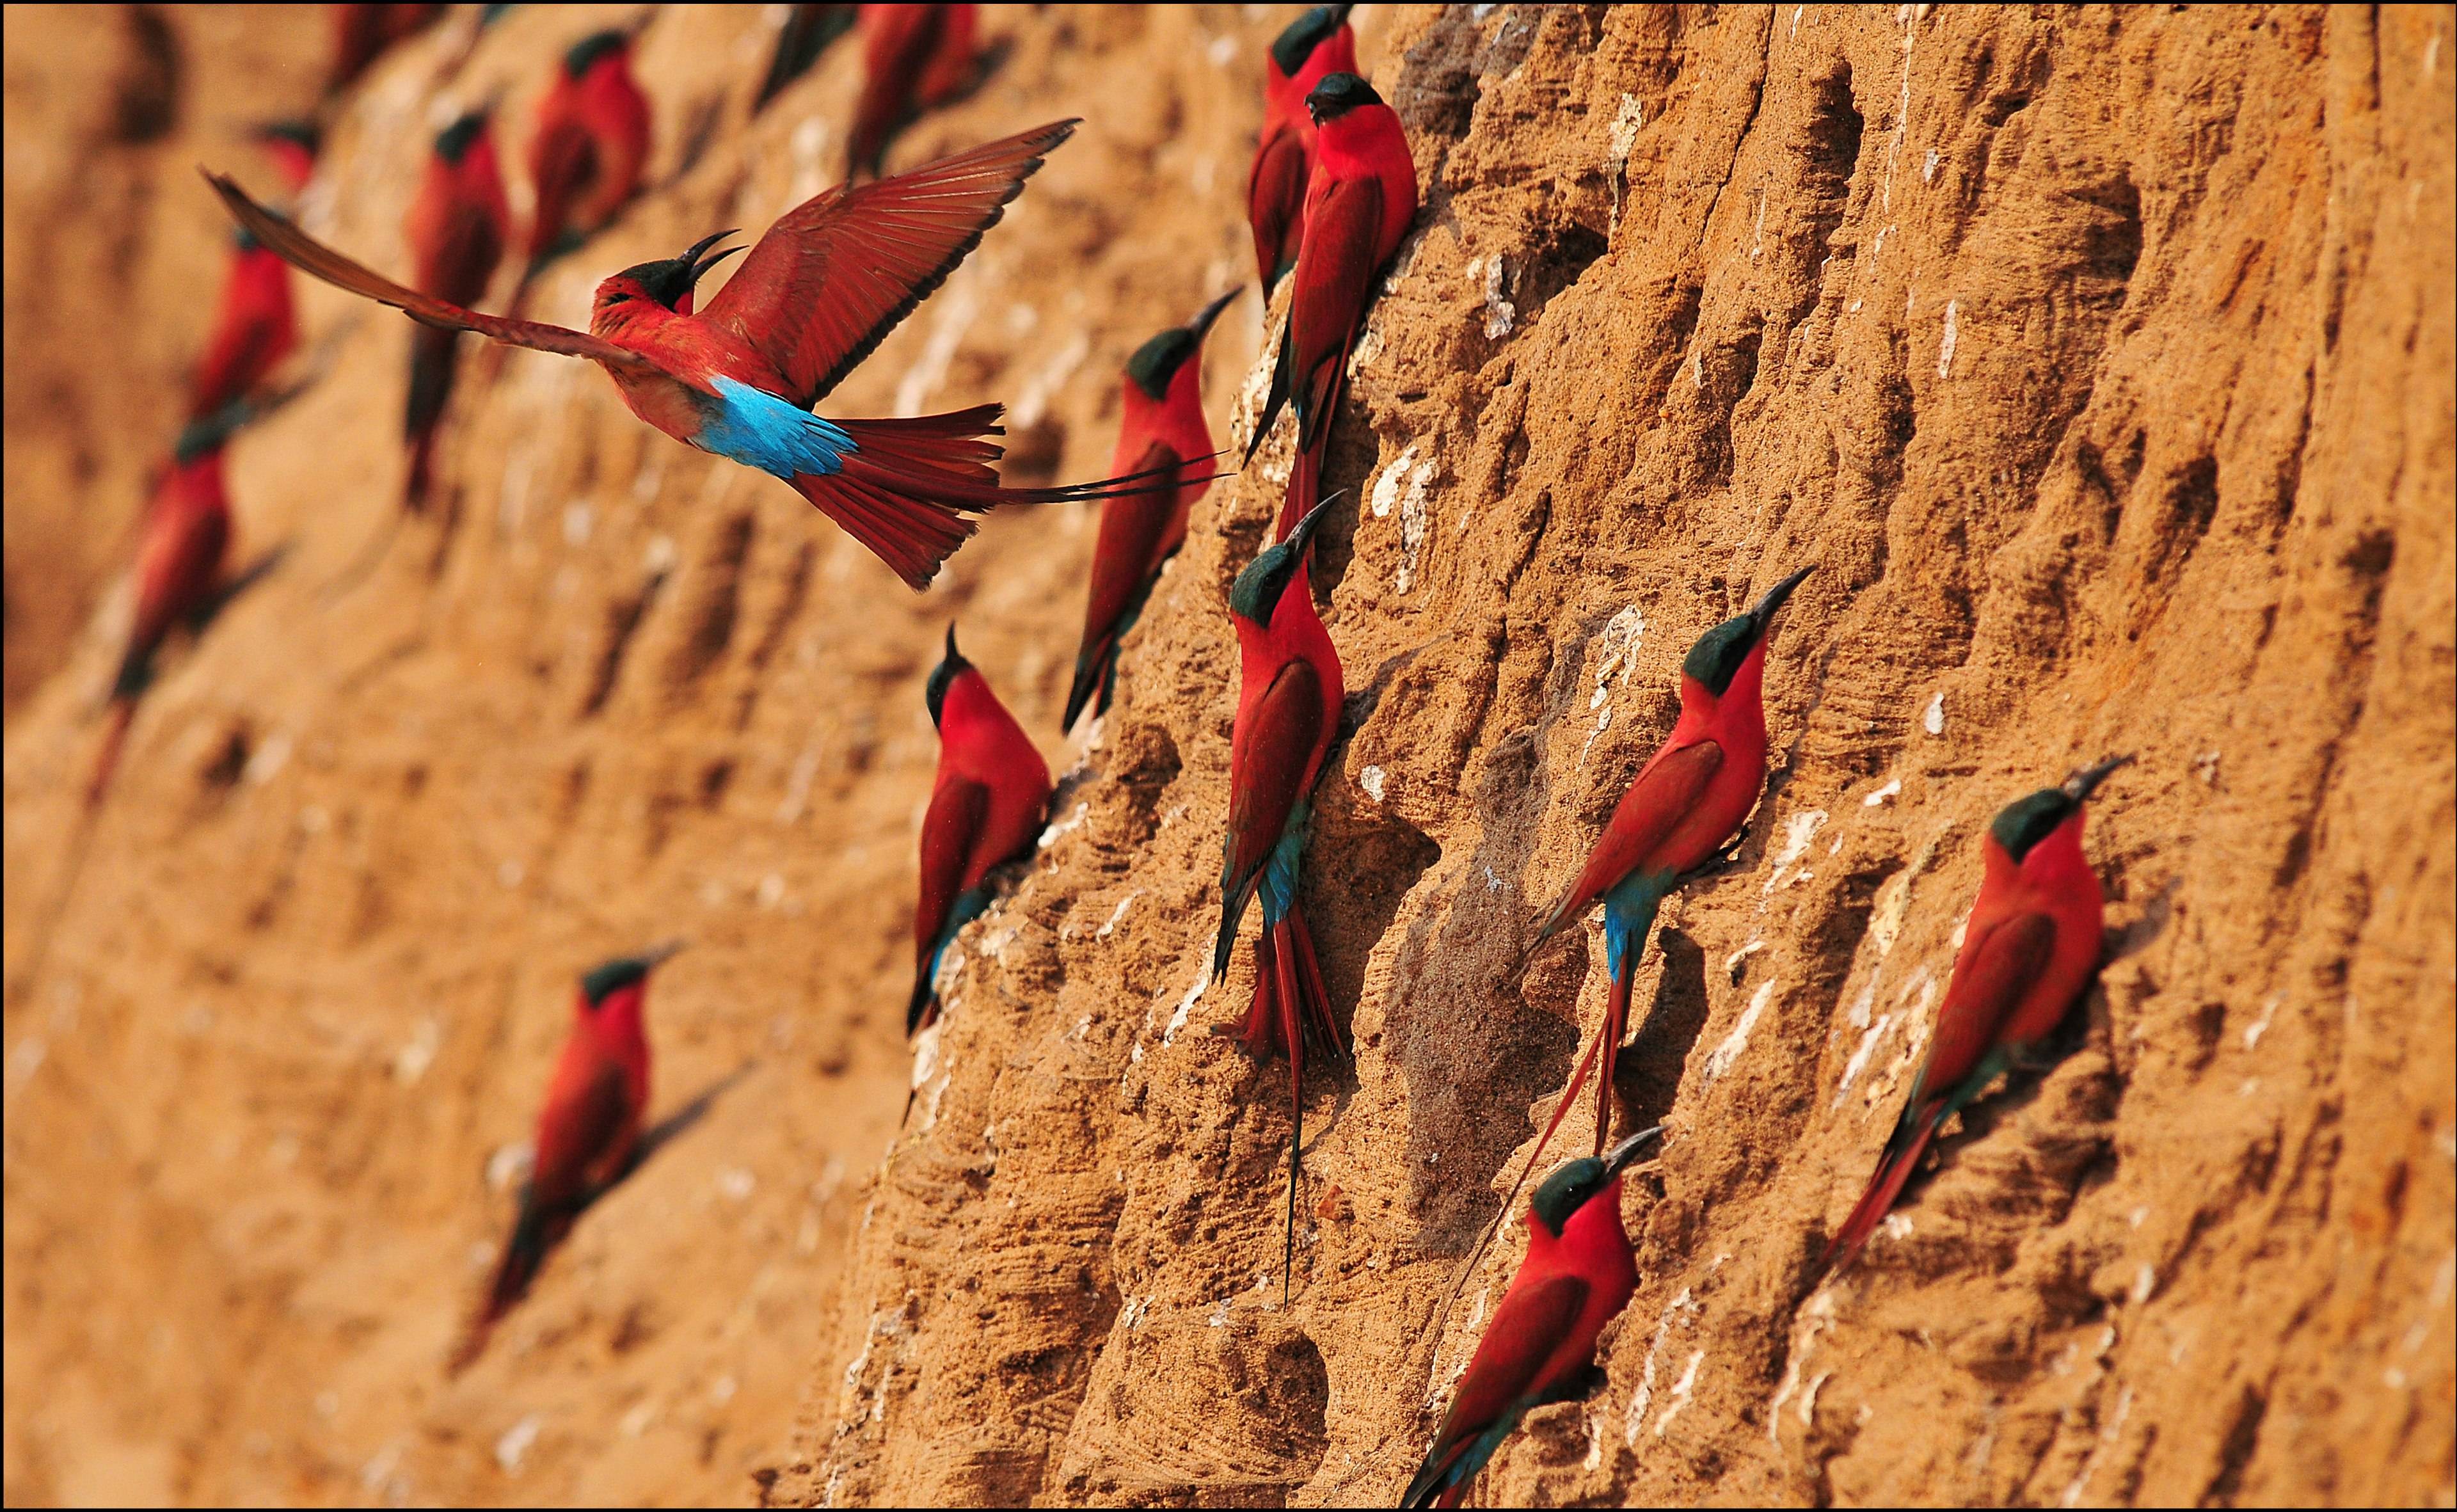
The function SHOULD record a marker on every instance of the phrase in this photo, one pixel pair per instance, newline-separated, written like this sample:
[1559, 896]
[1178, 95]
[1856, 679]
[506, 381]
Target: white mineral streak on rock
[1616, 650]
[1185, 1005]
[1945, 347]
[1681, 1392]
[1797, 832]
[1891, 789]
[1499, 314]
[1934, 720]
[1720, 1059]
[1033, 401]
[1370, 779]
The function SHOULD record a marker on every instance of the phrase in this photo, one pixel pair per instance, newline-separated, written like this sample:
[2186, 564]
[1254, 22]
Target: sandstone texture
[2102, 361]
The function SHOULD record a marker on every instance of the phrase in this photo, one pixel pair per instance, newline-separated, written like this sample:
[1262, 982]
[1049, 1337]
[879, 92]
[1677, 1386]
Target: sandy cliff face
[2101, 362]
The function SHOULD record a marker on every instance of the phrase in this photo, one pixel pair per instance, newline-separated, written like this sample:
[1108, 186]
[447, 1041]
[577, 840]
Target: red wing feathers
[310, 256]
[575, 1138]
[1665, 793]
[1529, 1325]
[833, 277]
[1984, 994]
[957, 809]
[1335, 274]
[1268, 761]
[1131, 528]
[1275, 200]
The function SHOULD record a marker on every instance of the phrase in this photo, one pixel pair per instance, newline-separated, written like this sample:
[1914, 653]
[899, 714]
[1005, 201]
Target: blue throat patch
[1279, 885]
[1629, 913]
[761, 430]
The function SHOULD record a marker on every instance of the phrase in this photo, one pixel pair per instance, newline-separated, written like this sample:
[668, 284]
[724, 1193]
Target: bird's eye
[616, 299]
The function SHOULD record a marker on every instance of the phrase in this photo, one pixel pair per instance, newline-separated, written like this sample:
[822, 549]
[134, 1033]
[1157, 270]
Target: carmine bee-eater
[2028, 951]
[986, 808]
[459, 227]
[179, 562]
[1288, 694]
[1579, 1275]
[1162, 428]
[1687, 802]
[254, 328]
[915, 56]
[586, 1132]
[590, 146]
[1359, 202]
[806, 33]
[1315, 45]
[822, 288]
[362, 33]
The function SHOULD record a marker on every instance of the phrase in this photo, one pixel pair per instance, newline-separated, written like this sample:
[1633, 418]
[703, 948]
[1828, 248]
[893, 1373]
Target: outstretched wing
[310, 256]
[1529, 1325]
[834, 275]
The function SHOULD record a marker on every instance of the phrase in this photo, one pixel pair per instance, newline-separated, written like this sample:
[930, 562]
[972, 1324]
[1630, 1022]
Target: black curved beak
[699, 259]
[2082, 783]
[1762, 613]
[1201, 322]
[658, 955]
[955, 657]
[1621, 1155]
[1301, 535]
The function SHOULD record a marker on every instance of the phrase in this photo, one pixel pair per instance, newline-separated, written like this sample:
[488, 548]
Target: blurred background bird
[915, 57]
[457, 228]
[586, 1132]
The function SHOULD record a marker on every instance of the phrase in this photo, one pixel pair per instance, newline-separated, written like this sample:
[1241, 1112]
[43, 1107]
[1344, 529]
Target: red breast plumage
[2029, 948]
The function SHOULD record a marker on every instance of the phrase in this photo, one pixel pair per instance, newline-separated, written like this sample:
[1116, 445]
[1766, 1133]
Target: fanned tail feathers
[908, 484]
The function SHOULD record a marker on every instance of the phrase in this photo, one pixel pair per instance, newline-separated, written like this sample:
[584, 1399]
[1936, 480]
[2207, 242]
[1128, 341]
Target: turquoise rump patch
[761, 430]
